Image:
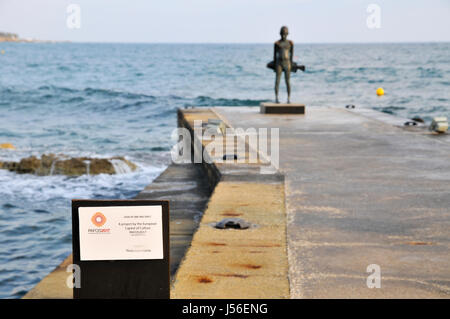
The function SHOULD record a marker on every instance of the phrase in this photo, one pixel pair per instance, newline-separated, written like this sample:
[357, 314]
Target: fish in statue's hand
[295, 67]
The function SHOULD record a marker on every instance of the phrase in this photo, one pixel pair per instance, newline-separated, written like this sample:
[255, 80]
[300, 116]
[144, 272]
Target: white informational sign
[121, 233]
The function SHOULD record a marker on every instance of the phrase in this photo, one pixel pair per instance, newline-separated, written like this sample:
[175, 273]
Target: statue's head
[284, 32]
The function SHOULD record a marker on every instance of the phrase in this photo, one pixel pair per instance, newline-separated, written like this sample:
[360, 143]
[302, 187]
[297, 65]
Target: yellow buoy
[3, 51]
[7, 146]
[380, 91]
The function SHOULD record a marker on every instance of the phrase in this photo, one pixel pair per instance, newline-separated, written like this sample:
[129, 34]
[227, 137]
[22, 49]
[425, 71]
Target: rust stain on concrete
[419, 243]
[250, 266]
[204, 280]
[215, 244]
[232, 275]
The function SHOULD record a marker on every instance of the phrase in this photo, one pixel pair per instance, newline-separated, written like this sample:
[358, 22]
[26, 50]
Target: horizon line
[228, 43]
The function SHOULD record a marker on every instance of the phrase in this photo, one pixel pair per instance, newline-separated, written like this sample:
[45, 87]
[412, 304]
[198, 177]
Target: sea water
[105, 100]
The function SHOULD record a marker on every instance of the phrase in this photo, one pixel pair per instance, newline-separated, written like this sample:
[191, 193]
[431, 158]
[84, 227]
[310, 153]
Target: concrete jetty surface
[361, 191]
[354, 188]
[235, 263]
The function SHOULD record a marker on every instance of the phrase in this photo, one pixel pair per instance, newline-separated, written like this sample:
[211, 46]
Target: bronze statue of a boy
[283, 53]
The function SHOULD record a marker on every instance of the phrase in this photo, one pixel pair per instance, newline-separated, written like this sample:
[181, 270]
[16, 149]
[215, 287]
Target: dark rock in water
[28, 165]
[52, 164]
[418, 119]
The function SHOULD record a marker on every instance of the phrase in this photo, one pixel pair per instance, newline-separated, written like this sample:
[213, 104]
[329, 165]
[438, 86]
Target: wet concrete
[361, 191]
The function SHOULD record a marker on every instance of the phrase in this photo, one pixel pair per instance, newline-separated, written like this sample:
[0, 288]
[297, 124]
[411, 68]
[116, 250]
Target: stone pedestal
[282, 108]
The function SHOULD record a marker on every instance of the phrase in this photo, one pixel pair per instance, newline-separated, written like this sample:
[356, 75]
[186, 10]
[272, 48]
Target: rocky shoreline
[13, 37]
[52, 164]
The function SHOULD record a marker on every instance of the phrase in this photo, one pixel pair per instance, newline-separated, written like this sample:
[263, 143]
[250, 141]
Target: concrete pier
[361, 190]
[354, 188]
[234, 263]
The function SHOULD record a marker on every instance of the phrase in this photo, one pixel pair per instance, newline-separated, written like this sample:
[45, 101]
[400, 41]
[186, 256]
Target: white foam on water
[120, 167]
[20, 187]
[88, 167]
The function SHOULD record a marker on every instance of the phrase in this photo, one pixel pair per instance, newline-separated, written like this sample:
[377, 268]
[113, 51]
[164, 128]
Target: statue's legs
[287, 77]
[278, 70]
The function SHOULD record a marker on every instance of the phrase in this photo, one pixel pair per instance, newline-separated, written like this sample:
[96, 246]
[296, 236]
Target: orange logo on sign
[98, 219]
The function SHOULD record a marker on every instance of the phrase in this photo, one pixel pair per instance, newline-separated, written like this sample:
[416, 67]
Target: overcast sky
[228, 21]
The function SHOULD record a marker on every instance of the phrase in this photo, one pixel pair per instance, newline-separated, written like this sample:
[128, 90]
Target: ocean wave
[113, 93]
[389, 109]
[429, 72]
[56, 89]
[66, 95]
[31, 187]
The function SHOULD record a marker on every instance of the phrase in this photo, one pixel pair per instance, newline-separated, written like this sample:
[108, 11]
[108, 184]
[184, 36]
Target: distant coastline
[13, 37]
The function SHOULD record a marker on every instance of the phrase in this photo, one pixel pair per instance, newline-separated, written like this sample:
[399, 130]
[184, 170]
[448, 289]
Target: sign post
[122, 248]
